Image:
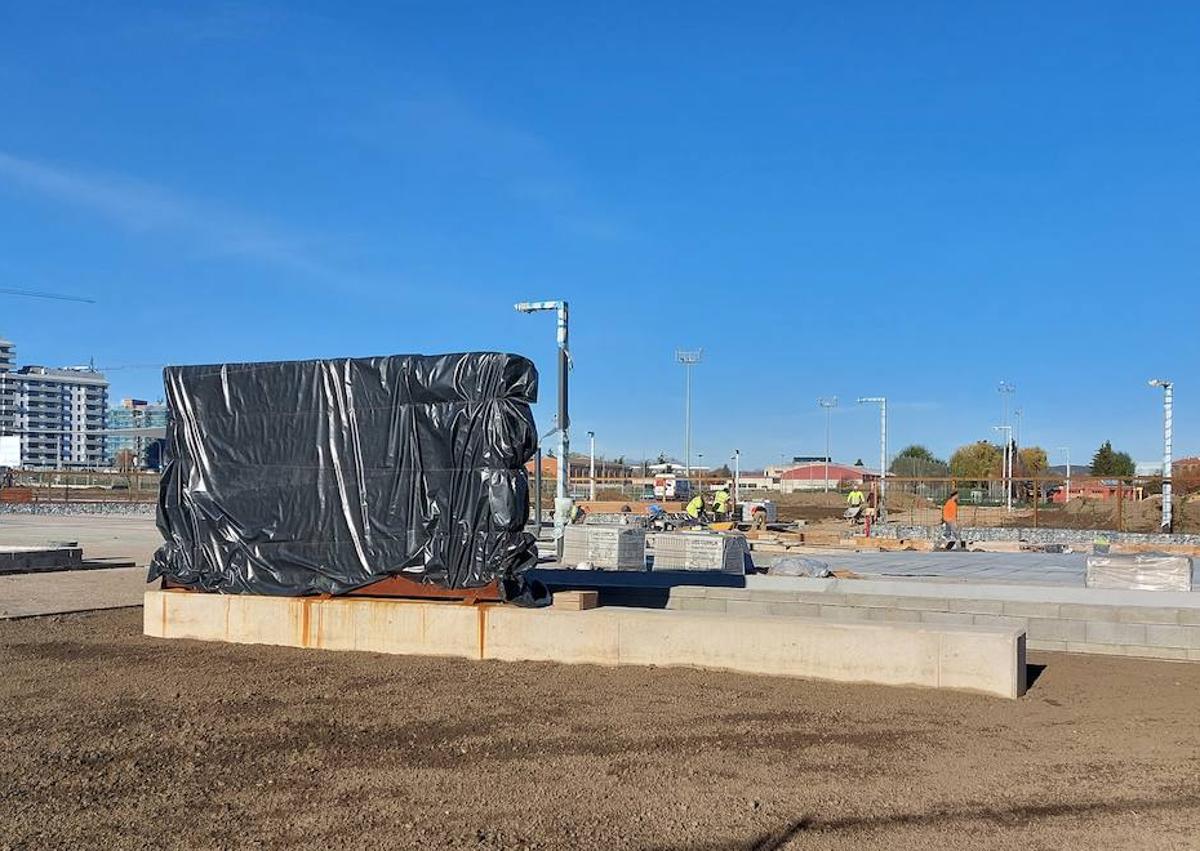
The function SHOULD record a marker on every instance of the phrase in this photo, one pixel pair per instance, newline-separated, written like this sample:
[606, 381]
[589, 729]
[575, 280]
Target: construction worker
[855, 501]
[696, 508]
[950, 522]
[722, 503]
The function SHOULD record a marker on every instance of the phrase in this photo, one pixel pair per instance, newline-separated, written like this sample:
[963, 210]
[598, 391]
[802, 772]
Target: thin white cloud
[440, 129]
[144, 208]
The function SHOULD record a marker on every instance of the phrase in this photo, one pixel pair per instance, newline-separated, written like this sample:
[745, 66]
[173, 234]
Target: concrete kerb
[988, 660]
[1164, 625]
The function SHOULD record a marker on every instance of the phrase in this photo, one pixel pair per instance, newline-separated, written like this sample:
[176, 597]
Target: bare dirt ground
[811, 507]
[116, 740]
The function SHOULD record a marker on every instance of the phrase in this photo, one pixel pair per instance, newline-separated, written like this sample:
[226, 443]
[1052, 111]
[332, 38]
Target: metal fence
[1130, 504]
[1127, 504]
[79, 486]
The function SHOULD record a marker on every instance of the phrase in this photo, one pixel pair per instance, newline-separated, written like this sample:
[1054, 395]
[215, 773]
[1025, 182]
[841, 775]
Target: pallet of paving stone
[700, 551]
[606, 547]
[1141, 572]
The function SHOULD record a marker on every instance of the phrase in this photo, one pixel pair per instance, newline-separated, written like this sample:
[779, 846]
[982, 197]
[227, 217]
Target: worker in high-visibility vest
[721, 503]
[695, 508]
[855, 501]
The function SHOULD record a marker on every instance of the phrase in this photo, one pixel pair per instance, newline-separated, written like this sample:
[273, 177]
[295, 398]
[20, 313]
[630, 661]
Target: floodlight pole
[561, 500]
[1006, 389]
[592, 465]
[1007, 467]
[737, 474]
[1067, 450]
[828, 404]
[882, 402]
[1168, 399]
[689, 359]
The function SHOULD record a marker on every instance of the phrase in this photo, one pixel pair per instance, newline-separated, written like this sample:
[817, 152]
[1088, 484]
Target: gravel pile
[67, 509]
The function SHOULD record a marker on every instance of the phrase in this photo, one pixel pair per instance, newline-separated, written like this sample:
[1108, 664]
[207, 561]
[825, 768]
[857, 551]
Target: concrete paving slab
[100, 536]
[1066, 569]
[32, 594]
[1187, 602]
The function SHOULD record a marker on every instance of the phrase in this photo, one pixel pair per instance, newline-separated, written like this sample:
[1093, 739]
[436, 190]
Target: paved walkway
[101, 536]
[1023, 568]
[71, 591]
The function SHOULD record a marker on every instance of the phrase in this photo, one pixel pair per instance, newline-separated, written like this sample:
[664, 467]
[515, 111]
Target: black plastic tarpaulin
[322, 476]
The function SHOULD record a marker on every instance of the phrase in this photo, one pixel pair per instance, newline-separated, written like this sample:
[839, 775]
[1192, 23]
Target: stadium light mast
[828, 403]
[1006, 390]
[882, 402]
[689, 359]
[1168, 399]
[1067, 451]
[563, 421]
[1006, 471]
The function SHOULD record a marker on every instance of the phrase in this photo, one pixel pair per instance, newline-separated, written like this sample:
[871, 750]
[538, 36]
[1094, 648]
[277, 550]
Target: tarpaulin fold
[323, 476]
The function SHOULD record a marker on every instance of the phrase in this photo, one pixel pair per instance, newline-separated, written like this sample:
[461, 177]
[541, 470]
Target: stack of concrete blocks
[606, 547]
[1161, 624]
[1143, 572]
[700, 551]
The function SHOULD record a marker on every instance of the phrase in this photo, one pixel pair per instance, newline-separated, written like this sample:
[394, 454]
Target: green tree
[976, 461]
[1033, 461]
[918, 461]
[1108, 462]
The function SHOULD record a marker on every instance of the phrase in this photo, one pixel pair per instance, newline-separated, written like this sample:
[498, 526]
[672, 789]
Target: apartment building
[59, 413]
[135, 414]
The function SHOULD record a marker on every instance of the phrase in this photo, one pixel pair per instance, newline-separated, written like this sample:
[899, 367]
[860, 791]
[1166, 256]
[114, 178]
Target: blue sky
[915, 200]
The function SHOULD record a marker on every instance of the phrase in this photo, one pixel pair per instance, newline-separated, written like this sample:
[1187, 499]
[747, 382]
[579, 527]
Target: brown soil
[1134, 516]
[809, 506]
[116, 740]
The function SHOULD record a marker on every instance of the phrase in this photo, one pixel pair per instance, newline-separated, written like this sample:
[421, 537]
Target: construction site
[450, 644]
[647, 427]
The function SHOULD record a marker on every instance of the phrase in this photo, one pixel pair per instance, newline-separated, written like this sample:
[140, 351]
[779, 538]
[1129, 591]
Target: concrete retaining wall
[1161, 625]
[990, 660]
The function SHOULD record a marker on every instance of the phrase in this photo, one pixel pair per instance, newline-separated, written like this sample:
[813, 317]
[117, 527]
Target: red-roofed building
[805, 477]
